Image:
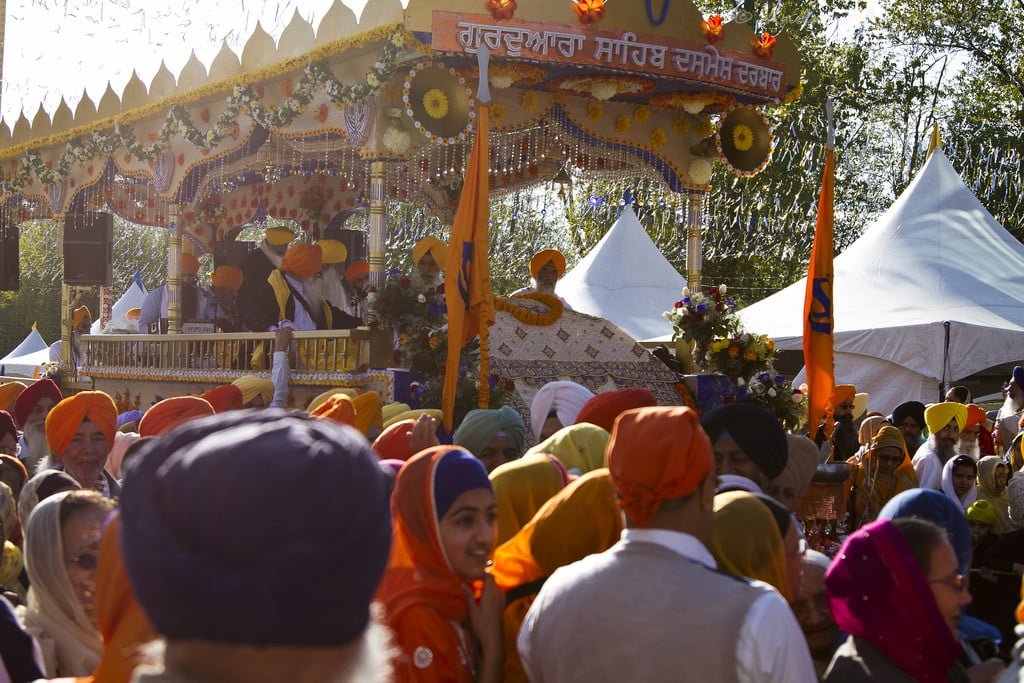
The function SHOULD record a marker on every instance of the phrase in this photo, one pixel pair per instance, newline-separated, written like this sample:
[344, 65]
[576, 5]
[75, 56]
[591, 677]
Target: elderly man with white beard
[298, 294]
[944, 420]
[30, 410]
[1008, 417]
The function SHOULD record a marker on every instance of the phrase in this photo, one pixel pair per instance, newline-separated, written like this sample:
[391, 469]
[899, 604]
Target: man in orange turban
[546, 268]
[972, 439]
[8, 392]
[354, 285]
[80, 433]
[605, 407]
[256, 268]
[338, 408]
[663, 472]
[298, 294]
[222, 299]
[171, 412]
[224, 398]
[429, 256]
[81, 324]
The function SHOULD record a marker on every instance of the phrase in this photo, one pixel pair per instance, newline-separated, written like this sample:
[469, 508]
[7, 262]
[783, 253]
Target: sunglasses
[86, 561]
[957, 581]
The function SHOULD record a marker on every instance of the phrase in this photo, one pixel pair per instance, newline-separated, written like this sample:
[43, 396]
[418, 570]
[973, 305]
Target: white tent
[933, 290]
[625, 279]
[27, 357]
[132, 298]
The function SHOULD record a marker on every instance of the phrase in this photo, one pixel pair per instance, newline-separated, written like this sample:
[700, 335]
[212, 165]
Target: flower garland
[508, 74]
[693, 102]
[528, 317]
[603, 87]
[243, 100]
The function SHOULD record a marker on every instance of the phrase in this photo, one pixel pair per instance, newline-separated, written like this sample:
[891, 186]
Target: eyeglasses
[86, 561]
[957, 582]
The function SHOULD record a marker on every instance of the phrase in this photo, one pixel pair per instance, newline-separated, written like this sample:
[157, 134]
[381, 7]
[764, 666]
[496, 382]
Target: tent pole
[945, 363]
[694, 233]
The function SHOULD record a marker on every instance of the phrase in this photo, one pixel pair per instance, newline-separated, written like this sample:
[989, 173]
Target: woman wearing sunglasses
[61, 551]
[897, 590]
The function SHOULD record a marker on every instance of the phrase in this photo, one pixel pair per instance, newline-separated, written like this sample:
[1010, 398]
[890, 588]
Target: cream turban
[938, 415]
[564, 398]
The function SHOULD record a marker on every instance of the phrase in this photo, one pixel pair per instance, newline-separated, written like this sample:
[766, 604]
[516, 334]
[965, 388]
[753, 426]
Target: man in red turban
[171, 412]
[30, 411]
[80, 432]
[661, 578]
[224, 398]
[606, 406]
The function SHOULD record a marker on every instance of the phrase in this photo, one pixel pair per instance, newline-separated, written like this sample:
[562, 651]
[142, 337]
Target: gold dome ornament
[745, 140]
[439, 103]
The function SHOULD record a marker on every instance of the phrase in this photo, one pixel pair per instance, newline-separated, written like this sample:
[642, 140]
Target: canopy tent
[625, 279]
[932, 292]
[132, 298]
[27, 357]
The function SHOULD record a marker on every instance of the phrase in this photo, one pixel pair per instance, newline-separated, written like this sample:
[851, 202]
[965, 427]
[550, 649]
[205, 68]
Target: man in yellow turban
[80, 433]
[256, 268]
[944, 420]
[429, 256]
[9, 392]
[546, 268]
[81, 323]
[334, 255]
[257, 392]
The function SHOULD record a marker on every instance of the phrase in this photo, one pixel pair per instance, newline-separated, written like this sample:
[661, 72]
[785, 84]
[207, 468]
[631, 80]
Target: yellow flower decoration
[658, 137]
[641, 114]
[623, 124]
[705, 128]
[435, 103]
[681, 126]
[529, 100]
[498, 111]
[554, 304]
[742, 137]
[794, 94]
[595, 110]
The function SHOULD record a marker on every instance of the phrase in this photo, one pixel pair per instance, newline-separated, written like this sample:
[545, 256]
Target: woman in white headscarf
[61, 552]
[960, 480]
[556, 405]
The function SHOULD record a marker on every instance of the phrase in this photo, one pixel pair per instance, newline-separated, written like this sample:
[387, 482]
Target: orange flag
[819, 360]
[467, 290]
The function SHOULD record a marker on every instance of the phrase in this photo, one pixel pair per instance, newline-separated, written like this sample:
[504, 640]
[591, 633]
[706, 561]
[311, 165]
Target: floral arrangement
[244, 100]
[703, 317]
[530, 317]
[776, 393]
[507, 74]
[693, 102]
[763, 45]
[502, 9]
[712, 28]
[435, 105]
[699, 171]
[741, 355]
[589, 11]
[603, 87]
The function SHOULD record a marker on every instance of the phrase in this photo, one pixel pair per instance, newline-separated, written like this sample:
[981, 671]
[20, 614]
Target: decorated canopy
[289, 130]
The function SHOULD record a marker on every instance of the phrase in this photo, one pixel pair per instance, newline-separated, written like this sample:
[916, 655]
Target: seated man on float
[297, 288]
[256, 268]
[334, 255]
[221, 301]
[355, 286]
[546, 269]
[153, 319]
[81, 323]
[429, 256]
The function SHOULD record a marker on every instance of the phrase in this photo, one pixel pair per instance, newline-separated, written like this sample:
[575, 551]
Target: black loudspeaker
[354, 241]
[88, 249]
[9, 267]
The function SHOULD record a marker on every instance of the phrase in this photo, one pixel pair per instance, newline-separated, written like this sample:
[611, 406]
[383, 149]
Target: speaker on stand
[88, 249]
[10, 271]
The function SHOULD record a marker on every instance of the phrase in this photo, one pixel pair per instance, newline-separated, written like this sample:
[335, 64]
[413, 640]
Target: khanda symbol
[820, 316]
[463, 280]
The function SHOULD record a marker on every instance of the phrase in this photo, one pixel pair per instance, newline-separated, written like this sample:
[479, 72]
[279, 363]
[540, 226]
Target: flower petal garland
[528, 317]
[693, 102]
[763, 45]
[712, 28]
[603, 87]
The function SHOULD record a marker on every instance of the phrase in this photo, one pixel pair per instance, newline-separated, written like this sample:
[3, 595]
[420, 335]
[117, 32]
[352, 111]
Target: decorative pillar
[67, 358]
[378, 225]
[694, 239]
[174, 271]
[106, 306]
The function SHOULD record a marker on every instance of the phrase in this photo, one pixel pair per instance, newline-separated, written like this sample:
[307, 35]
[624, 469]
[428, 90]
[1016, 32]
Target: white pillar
[694, 239]
[174, 272]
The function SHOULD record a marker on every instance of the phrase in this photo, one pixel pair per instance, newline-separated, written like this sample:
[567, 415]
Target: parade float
[381, 112]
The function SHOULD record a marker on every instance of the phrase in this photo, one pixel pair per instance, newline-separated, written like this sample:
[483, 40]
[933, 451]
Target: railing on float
[315, 357]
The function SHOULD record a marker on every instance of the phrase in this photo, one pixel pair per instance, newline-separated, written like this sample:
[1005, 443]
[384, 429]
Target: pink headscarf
[878, 592]
[122, 440]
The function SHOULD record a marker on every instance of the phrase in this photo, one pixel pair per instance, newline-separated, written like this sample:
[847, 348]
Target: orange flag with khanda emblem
[819, 359]
[467, 290]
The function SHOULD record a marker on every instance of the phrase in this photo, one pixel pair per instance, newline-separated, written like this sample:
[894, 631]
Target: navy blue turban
[939, 509]
[256, 527]
[913, 409]
[755, 430]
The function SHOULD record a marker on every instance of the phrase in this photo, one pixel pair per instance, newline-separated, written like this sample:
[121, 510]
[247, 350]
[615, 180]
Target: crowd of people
[223, 537]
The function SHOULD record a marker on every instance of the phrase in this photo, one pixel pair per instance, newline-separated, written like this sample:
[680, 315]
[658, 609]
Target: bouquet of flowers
[741, 355]
[776, 393]
[702, 317]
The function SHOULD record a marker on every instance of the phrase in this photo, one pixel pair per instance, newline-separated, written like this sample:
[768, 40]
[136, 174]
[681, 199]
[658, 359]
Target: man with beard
[971, 441]
[1008, 417]
[354, 286]
[334, 255]
[845, 438]
[80, 433]
[297, 289]
[909, 419]
[81, 322]
[30, 410]
[944, 420]
[546, 269]
[429, 256]
[256, 268]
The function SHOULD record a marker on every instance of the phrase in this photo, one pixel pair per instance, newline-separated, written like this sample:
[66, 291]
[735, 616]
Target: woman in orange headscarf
[884, 471]
[581, 519]
[443, 608]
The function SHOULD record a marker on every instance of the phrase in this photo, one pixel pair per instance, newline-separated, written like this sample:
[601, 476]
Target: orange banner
[467, 290]
[819, 359]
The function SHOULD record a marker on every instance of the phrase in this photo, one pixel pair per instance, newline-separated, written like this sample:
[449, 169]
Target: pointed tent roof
[32, 342]
[625, 279]
[32, 352]
[935, 256]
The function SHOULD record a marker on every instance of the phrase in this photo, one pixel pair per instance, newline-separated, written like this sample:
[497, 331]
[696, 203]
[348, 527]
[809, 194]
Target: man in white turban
[556, 405]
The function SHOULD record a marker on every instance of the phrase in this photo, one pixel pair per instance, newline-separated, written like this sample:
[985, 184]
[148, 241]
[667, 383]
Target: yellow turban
[338, 408]
[333, 251]
[189, 264]
[433, 246]
[939, 415]
[227, 277]
[80, 316]
[67, 416]
[391, 409]
[302, 260]
[9, 392]
[279, 237]
[413, 415]
[252, 386]
[368, 411]
[541, 258]
[320, 399]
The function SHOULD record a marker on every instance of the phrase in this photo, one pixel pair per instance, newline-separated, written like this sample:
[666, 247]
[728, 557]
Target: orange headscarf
[869, 494]
[975, 416]
[338, 408]
[302, 260]
[602, 409]
[80, 315]
[355, 270]
[8, 392]
[122, 623]
[393, 443]
[63, 421]
[541, 258]
[522, 486]
[224, 398]
[228, 277]
[657, 454]
[171, 412]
